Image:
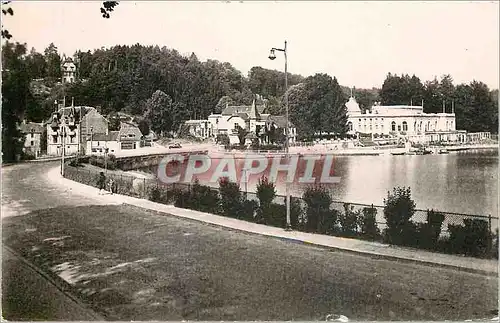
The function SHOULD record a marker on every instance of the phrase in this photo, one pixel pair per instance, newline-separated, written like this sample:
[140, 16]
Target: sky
[357, 42]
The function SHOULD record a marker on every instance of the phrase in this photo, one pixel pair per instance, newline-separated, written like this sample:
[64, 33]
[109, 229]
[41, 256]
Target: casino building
[405, 121]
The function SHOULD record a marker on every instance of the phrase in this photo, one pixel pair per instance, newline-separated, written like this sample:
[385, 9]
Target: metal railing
[142, 187]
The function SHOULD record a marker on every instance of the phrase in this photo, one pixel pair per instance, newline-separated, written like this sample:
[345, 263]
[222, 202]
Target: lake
[462, 182]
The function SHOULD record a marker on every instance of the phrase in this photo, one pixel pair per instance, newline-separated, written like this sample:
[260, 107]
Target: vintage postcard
[250, 161]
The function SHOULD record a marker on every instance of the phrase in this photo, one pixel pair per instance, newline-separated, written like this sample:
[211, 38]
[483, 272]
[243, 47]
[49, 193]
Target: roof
[280, 121]
[111, 136]
[31, 127]
[352, 106]
[87, 111]
[252, 111]
[128, 128]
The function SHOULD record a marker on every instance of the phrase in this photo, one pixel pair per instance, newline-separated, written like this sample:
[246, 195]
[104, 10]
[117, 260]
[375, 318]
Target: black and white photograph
[250, 160]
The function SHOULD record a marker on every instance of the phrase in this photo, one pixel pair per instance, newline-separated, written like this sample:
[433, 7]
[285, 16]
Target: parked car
[176, 145]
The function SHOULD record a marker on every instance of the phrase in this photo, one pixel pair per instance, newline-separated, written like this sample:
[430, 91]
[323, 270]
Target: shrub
[248, 210]
[368, 224]
[472, 239]
[276, 215]
[430, 231]
[123, 186]
[204, 198]
[231, 198]
[398, 210]
[319, 217]
[349, 221]
[27, 156]
[296, 215]
[111, 161]
[93, 160]
[266, 192]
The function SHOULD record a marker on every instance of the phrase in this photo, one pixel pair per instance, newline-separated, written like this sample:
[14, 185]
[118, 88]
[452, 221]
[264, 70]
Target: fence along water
[141, 187]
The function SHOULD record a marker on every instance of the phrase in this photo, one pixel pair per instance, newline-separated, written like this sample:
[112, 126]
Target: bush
[231, 198]
[368, 224]
[349, 221]
[111, 161]
[266, 192]
[27, 156]
[249, 209]
[320, 218]
[430, 231]
[398, 211]
[296, 214]
[204, 198]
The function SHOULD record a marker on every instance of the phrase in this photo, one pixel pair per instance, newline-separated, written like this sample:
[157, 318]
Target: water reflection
[462, 182]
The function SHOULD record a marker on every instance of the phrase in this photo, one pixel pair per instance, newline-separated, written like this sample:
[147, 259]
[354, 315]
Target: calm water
[462, 182]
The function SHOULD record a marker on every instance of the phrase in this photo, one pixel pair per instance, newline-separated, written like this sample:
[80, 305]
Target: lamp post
[62, 131]
[272, 56]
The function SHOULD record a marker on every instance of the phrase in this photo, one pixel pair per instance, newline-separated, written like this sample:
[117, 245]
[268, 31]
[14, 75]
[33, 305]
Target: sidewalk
[374, 249]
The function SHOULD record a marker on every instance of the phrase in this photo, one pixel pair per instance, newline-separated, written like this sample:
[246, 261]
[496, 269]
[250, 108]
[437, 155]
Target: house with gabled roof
[128, 137]
[252, 118]
[32, 132]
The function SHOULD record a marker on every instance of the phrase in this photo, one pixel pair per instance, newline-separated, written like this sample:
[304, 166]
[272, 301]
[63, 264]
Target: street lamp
[272, 56]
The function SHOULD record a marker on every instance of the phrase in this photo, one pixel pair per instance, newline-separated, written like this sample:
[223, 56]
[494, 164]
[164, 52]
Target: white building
[32, 132]
[403, 120]
[68, 69]
[251, 118]
[80, 122]
[128, 137]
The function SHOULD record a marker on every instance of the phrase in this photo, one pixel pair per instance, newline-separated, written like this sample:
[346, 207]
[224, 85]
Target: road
[131, 264]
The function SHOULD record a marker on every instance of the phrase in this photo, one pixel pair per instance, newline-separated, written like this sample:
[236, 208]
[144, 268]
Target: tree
[143, 127]
[106, 9]
[15, 95]
[432, 97]
[475, 108]
[398, 211]
[163, 114]
[158, 112]
[6, 11]
[241, 133]
[221, 105]
[318, 105]
[53, 61]
[36, 64]
[404, 90]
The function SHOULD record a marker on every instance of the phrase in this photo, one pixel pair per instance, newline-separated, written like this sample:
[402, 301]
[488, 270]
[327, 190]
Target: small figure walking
[101, 182]
[111, 185]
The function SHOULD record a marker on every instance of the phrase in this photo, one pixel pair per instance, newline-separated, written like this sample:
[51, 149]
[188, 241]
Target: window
[349, 124]
[405, 126]
[393, 126]
[32, 143]
[131, 135]
[399, 127]
[54, 139]
[32, 135]
[236, 126]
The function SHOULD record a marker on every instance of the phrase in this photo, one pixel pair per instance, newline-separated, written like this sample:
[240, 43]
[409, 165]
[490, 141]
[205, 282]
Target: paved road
[131, 264]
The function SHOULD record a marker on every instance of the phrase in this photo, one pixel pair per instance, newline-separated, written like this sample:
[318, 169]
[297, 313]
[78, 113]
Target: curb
[58, 283]
[329, 248]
